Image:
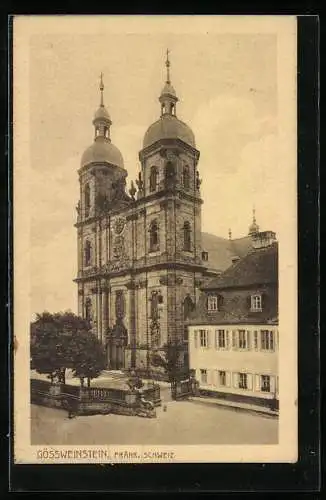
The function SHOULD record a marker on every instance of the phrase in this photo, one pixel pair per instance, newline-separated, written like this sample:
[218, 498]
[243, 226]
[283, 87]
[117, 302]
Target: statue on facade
[198, 180]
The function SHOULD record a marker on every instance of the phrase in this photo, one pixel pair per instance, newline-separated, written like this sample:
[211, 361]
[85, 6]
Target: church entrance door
[115, 357]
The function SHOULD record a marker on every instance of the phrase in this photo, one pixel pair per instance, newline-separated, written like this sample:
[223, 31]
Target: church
[142, 256]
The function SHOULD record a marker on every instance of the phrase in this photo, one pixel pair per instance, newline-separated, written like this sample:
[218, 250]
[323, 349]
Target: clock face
[119, 225]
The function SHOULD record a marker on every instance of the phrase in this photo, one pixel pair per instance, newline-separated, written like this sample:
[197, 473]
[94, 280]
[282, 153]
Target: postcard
[155, 239]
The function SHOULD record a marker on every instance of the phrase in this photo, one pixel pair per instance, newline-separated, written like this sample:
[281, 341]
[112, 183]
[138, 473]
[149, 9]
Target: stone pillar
[132, 321]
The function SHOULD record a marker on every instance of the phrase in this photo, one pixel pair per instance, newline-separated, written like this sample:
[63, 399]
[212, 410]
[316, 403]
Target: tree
[168, 359]
[89, 357]
[49, 345]
[64, 340]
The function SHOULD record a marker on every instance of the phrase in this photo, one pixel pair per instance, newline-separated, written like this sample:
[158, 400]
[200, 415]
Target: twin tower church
[142, 257]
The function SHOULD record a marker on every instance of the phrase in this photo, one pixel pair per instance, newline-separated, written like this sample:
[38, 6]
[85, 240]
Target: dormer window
[256, 303]
[212, 303]
[204, 256]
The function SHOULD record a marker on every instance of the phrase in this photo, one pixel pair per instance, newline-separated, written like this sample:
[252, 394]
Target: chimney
[263, 239]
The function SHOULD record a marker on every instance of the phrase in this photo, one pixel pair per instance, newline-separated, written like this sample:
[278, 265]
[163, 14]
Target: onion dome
[102, 150]
[168, 126]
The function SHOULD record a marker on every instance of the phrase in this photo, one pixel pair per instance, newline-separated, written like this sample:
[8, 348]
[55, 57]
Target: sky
[228, 95]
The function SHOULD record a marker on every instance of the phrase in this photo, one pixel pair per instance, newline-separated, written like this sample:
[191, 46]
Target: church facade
[140, 260]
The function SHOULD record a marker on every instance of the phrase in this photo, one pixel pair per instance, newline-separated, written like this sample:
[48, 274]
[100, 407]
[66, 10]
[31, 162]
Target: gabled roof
[258, 267]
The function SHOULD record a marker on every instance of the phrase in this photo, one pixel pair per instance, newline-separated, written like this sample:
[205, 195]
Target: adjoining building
[233, 332]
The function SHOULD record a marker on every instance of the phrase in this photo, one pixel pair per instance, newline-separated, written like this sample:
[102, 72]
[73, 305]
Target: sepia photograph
[155, 259]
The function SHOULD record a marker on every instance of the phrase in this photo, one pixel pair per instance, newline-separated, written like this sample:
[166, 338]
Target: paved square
[183, 422]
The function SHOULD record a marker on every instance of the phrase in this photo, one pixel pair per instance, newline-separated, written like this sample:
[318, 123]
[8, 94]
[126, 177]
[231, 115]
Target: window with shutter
[249, 382]
[267, 340]
[242, 343]
[228, 379]
[235, 380]
[227, 333]
[265, 383]
[243, 381]
[221, 339]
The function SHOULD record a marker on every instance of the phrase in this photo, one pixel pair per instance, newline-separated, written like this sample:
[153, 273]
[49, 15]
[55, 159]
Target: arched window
[186, 177]
[188, 307]
[106, 132]
[169, 174]
[97, 132]
[163, 109]
[88, 253]
[88, 309]
[153, 237]
[187, 236]
[87, 200]
[153, 179]
[172, 109]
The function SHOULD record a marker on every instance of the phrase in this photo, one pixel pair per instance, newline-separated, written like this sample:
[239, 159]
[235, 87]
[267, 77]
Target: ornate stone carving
[142, 283]
[119, 225]
[117, 265]
[118, 249]
[81, 292]
[171, 280]
[163, 204]
[198, 283]
[132, 217]
[131, 285]
[89, 272]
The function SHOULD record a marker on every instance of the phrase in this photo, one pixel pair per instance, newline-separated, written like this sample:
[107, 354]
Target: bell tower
[170, 192]
[102, 187]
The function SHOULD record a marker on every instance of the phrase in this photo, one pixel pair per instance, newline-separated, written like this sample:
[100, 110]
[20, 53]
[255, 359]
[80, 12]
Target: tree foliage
[64, 340]
[168, 358]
